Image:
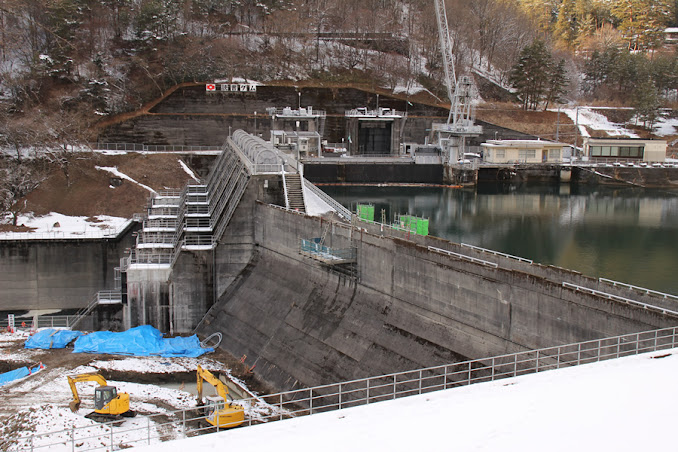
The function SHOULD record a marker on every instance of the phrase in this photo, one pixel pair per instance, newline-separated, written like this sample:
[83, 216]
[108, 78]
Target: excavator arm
[206, 375]
[220, 413]
[73, 379]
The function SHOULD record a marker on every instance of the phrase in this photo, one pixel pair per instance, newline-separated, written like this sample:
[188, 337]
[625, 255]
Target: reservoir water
[625, 234]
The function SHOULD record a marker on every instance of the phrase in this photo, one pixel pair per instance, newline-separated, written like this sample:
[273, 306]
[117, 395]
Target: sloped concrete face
[302, 324]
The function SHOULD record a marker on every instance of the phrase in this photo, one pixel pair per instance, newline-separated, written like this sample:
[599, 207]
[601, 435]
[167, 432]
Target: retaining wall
[57, 274]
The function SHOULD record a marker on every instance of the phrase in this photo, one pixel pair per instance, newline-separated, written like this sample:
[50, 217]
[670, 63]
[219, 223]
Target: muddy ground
[39, 402]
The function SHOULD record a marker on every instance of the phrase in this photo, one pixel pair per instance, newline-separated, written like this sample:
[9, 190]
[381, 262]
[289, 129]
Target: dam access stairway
[193, 221]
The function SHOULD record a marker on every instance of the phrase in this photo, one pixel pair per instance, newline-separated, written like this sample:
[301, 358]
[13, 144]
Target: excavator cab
[108, 403]
[103, 396]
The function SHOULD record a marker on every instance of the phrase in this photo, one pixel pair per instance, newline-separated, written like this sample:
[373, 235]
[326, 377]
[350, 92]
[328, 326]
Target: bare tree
[17, 179]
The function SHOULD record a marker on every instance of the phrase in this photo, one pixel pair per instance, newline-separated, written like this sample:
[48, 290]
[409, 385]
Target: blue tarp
[140, 341]
[50, 338]
[15, 374]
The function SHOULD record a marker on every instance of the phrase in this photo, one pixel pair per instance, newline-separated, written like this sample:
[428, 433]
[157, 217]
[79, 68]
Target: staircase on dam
[193, 218]
[294, 193]
[191, 223]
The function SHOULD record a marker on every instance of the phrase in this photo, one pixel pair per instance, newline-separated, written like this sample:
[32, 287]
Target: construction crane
[460, 121]
[218, 411]
[109, 405]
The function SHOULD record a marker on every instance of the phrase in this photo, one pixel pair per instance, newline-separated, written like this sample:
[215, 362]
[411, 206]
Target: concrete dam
[313, 299]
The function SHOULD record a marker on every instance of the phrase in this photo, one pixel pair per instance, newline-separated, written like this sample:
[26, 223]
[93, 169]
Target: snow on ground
[156, 365]
[56, 225]
[188, 170]
[38, 404]
[665, 126]
[314, 205]
[596, 121]
[621, 405]
[114, 170]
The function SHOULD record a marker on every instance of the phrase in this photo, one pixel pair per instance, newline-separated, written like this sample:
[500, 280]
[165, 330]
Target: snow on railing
[301, 402]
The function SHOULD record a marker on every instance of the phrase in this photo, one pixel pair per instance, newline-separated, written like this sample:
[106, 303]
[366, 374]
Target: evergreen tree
[643, 21]
[556, 85]
[531, 74]
[646, 102]
[568, 24]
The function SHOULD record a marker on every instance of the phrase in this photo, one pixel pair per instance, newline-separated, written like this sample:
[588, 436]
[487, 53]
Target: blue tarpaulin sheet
[15, 374]
[140, 341]
[51, 338]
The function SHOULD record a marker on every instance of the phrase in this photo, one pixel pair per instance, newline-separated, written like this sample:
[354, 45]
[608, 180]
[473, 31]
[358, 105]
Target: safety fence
[43, 321]
[138, 147]
[301, 402]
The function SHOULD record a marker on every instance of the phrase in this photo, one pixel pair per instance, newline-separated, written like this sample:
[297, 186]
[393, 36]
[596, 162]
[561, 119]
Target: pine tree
[557, 82]
[568, 24]
[530, 75]
[646, 102]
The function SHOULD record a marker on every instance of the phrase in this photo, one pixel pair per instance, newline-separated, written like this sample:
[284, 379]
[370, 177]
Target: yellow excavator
[109, 405]
[218, 410]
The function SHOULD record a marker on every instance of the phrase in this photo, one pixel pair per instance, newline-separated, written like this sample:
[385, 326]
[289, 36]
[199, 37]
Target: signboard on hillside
[231, 87]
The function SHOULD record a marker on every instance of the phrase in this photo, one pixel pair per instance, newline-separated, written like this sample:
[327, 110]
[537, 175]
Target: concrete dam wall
[303, 324]
[57, 274]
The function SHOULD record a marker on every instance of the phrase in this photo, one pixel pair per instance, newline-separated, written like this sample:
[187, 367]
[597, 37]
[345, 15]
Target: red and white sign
[210, 87]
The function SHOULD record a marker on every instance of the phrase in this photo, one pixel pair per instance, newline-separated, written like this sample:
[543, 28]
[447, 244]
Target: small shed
[625, 150]
[522, 151]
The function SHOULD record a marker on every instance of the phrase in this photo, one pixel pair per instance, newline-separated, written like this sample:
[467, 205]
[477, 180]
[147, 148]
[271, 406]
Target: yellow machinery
[219, 411]
[109, 405]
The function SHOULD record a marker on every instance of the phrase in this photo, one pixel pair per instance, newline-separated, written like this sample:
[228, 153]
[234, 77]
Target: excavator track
[103, 418]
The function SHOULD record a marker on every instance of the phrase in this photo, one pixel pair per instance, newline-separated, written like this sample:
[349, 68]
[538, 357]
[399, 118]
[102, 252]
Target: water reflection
[626, 234]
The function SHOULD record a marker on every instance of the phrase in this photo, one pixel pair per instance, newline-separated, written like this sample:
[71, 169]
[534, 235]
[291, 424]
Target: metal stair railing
[223, 185]
[235, 200]
[111, 296]
[224, 197]
[287, 196]
[341, 210]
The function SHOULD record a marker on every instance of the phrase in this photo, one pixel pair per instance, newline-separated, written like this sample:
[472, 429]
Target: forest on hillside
[64, 64]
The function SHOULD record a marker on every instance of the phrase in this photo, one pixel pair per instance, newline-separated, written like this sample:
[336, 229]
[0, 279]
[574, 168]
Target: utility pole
[576, 129]
[558, 123]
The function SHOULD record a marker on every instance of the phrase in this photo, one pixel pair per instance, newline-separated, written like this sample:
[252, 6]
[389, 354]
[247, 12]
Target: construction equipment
[218, 410]
[460, 121]
[109, 405]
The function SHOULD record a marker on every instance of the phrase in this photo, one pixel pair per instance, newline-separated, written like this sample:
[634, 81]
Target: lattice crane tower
[460, 121]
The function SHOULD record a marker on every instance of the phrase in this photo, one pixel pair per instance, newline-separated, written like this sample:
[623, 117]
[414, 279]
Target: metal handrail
[330, 397]
[609, 296]
[464, 257]
[497, 253]
[638, 288]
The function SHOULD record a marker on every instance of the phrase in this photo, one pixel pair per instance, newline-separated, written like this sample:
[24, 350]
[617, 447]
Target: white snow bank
[314, 205]
[56, 225]
[188, 171]
[619, 405]
[114, 170]
[156, 365]
[596, 121]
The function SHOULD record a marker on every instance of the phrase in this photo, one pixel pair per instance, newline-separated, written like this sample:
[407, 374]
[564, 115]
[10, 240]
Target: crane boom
[446, 49]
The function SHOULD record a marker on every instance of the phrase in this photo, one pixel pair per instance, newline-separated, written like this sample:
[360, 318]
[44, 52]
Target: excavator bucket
[75, 406]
